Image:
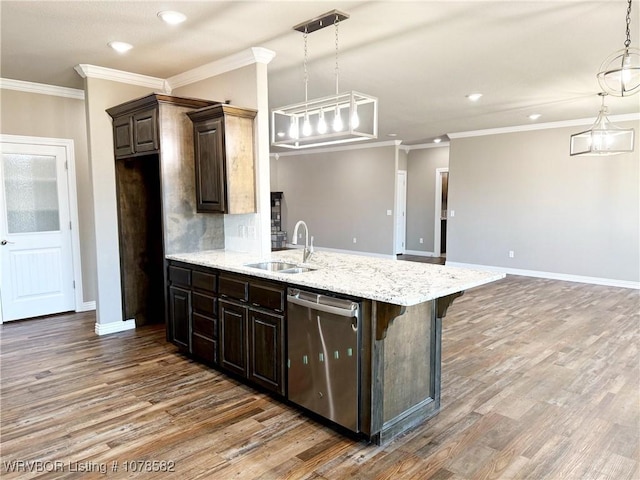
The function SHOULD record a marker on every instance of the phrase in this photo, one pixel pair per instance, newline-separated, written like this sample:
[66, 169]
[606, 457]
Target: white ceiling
[420, 58]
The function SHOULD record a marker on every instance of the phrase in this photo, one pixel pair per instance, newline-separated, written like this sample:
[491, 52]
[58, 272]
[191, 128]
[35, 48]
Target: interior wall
[421, 195]
[522, 192]
[39, 115]
[244, 87]
[100, 95]
[341, 195]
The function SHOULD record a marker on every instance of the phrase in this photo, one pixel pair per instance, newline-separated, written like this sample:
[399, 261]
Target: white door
[401, 212]
[36, 259]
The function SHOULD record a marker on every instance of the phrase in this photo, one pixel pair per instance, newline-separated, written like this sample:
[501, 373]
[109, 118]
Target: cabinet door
[209, 166]
[233, 337]
[180, 317]
[266, 350]
[145, 131]
[122, 136]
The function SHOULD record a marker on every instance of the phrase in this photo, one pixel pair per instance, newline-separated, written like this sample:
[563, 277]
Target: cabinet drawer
[205, 304]
[205, 326]
[204, 281]
[205, 349]
[233, 288]
[267, 296]
[179, 276]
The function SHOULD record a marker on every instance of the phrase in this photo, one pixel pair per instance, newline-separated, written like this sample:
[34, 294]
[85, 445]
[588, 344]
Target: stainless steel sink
[297, 270]
[272, 266]
[280, 267]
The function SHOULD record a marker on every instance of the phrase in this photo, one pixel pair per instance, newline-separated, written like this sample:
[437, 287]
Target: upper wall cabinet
[136, 128]
[224, 159]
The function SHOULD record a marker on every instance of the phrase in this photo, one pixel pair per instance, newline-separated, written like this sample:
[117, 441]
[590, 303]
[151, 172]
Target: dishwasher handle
[343, 312]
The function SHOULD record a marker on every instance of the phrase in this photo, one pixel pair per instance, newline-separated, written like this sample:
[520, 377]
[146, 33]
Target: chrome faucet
[308, 247]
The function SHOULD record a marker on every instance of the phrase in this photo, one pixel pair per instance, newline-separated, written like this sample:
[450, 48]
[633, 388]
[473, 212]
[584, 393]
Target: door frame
[437, 212]
[68, 145]
[400, 243]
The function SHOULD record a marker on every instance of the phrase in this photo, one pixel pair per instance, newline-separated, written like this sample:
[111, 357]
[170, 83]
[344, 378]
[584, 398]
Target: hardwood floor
[540, 381]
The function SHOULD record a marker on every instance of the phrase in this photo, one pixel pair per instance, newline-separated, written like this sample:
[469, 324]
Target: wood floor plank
[540, 380]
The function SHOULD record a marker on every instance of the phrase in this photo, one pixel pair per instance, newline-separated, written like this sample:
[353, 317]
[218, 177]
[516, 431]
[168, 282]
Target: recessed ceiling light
[392, 134]
[437, 140]
[171, 17]
[474, 97]
[120, 47]
[534, 116]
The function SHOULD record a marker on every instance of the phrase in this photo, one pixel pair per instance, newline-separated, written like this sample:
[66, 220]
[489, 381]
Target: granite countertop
[392, 281]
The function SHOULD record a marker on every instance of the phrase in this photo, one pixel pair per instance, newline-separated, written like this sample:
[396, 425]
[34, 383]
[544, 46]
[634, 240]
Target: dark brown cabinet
[145, 178]
[233, 337]
[204, 317]
[252, 330]
[180, 314]
[266, 350]
[224, 159]
[233, 321]
[179, 328]
[136, 132]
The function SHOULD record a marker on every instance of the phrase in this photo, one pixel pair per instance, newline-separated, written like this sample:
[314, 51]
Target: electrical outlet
[355, 240]
[422, 240]
[511, 254]
[452, 213]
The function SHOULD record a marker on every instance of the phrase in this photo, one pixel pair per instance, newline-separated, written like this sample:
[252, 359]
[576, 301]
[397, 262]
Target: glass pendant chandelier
[619, 74]
[340, 118]
[603, 138]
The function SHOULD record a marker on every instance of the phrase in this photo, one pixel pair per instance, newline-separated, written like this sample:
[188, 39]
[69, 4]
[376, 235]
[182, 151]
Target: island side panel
[407, 365]
[406, 372]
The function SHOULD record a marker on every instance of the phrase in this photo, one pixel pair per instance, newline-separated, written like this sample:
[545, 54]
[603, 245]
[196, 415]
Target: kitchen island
[235, 317]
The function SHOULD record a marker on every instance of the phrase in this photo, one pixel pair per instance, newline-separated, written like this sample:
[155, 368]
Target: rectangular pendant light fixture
[341, 118]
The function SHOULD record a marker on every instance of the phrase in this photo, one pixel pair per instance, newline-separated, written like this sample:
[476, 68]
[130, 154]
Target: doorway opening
[401, 212]
[141, 238]
[441, 213]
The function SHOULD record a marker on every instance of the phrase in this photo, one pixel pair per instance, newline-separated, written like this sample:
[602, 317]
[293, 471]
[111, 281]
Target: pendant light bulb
[322, 124]
[293, 128]
[337, 121]
[306, 126]
[355, 119]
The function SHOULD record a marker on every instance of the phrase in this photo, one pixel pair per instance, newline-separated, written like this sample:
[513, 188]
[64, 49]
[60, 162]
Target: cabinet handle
[255, 304]
[223, 295]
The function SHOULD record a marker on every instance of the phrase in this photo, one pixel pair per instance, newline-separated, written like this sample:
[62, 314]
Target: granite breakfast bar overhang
[403, 304]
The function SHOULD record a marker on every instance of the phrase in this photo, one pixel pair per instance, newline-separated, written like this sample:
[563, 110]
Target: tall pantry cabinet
[156, 200]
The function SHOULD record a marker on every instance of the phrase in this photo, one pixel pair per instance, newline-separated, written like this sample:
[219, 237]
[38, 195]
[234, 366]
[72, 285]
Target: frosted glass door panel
[31, 193]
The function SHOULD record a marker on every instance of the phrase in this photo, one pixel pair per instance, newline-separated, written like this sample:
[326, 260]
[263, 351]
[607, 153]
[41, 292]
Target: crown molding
[360, 146]
[93, 71]
[421, 146]
[217, 67]
[41, 88]
[543, 126]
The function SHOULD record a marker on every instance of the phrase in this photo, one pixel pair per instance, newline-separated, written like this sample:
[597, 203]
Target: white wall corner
[93, 71]
[114, 327]
[41, 88]
[223, 65]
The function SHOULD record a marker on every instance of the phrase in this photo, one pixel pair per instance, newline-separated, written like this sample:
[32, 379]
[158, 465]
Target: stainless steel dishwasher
[323, 334]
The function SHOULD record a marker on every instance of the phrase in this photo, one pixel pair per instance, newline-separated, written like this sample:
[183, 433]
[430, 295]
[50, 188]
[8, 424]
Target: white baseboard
[86, 307]
[114, 327]
[419, 253]
[610, 282]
